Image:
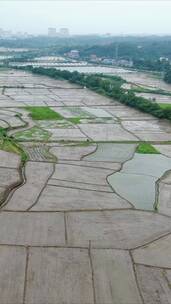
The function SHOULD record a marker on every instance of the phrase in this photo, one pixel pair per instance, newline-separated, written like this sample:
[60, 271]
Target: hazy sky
[87, 16]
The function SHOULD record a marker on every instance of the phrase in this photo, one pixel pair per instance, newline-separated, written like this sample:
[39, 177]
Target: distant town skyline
[51, 32]
[87, 17]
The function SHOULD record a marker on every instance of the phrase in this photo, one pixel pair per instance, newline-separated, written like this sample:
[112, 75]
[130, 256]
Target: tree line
[110, 86]
[167, 76]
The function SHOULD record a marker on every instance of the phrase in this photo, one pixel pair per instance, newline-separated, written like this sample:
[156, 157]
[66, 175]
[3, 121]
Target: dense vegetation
[167, 76]
[41, 42]
[151, 64]
[145, 52]
[147, 48]
[107, 87]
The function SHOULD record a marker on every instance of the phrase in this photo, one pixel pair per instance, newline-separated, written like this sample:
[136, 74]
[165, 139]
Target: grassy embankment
[9, 144]
[145, 148]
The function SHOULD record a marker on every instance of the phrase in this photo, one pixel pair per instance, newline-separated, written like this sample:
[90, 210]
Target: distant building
[109, 61]
[163, 59]
[74, 54]
[12, 35]
[12, 50]
[52, 32]
[48, 59]
[120, 62]
[125, 63]
[5, 34]
[64, 32]
[94, 58]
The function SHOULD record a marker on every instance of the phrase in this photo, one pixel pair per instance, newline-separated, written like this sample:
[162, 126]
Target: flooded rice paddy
[136, 181]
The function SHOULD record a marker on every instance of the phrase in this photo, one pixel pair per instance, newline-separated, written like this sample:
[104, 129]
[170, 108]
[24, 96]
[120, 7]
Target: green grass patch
[145, 148]
[53, 124]
[74, 120]
[34, 133]
[139, 89]
[8, 144]
[165, 105]
[43, 113]
[3, 132]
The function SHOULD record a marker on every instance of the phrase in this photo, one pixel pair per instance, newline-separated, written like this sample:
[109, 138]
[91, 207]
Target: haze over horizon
[85, 17]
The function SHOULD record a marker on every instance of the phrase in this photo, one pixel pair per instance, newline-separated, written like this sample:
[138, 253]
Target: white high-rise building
[52, 32]
[64, 32]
